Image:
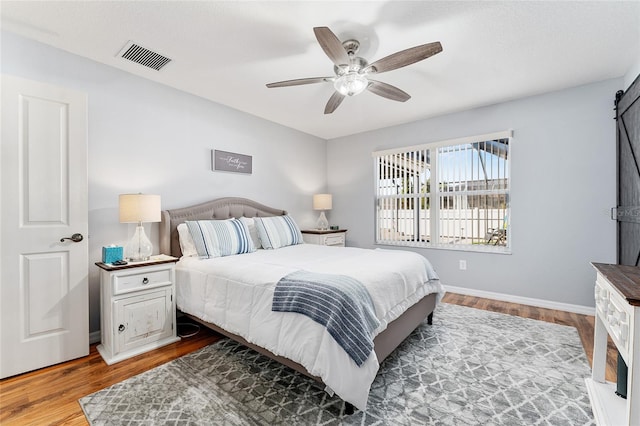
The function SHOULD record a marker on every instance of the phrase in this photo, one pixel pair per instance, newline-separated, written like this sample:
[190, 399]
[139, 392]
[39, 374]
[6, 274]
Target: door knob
[76, 238]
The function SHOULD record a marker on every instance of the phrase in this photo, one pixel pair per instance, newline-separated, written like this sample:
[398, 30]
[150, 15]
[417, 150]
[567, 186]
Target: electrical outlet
[463, 265]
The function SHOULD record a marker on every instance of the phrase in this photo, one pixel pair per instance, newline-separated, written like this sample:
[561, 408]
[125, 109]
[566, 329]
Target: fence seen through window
[451, 194]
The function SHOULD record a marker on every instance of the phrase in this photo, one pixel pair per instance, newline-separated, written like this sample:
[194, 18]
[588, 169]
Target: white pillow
[187, 246]
[217, 238]
[253, 231]
[278, 231]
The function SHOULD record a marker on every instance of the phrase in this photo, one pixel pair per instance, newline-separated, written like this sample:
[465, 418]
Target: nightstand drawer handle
[121, 328]
[145, 280]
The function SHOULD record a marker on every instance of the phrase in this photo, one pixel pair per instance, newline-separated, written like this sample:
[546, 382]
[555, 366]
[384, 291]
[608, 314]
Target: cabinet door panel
[142, 319]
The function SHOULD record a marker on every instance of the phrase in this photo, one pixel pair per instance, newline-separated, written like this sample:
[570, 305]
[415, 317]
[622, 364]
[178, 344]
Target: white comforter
[235, 293]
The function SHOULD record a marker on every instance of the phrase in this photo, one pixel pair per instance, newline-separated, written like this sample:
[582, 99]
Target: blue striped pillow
[217, 238]
[278, 231]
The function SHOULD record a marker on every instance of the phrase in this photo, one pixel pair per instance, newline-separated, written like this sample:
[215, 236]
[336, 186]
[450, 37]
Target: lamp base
[139, 247]
[322, 223]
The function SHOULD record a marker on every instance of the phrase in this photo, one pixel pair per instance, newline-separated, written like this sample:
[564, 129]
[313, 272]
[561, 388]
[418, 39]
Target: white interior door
[44, 304]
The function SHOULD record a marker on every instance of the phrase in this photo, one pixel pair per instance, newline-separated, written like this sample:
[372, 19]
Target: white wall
[632, 74]
[563, 160]
[146, 137]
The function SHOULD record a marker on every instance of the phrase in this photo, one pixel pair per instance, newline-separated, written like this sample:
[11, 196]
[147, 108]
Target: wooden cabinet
[137, 307]
[617, 296]
[325, 238]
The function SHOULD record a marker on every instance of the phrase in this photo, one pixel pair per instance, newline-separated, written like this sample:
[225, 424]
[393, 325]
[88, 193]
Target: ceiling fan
[353, 73]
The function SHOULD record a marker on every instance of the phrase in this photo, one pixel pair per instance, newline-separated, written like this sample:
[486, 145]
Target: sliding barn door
[628, 211]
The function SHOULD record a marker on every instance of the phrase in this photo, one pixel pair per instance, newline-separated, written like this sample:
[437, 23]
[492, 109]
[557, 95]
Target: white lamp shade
[138, 208]
[322, 202]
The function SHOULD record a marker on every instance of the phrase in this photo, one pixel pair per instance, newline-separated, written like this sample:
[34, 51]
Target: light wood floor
[49, 395]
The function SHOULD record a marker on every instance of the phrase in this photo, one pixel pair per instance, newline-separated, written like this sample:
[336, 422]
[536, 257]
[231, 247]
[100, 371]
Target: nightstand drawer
[334, 240]
[125, 283]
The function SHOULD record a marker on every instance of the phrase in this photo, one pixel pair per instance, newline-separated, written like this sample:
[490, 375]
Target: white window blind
[450, 194]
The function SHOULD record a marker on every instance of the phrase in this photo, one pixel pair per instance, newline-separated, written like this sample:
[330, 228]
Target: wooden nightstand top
[322, 231]
[155, 260]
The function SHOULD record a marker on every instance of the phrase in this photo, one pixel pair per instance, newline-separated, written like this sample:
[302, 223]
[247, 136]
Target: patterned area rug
[472, 367]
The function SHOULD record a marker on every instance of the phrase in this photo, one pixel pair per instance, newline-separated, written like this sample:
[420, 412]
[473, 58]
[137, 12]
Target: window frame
[435, 194]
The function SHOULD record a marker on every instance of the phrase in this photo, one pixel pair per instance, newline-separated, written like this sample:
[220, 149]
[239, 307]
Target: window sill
[474, 248]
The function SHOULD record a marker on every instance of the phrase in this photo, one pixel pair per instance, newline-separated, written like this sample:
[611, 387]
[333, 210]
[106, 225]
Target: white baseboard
[549, 304]
[94, 337]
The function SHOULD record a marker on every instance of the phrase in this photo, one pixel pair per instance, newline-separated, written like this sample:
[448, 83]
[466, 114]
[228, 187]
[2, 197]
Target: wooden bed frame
[232, 207]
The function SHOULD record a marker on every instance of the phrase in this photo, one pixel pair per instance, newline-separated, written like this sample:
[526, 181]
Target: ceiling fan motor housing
[351, 46]
[356, 64]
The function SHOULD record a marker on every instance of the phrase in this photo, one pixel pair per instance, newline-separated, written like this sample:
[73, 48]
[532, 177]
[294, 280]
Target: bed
[233, 294]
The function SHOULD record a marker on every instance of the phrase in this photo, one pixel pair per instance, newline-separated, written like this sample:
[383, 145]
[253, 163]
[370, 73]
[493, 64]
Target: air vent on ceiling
[143, 56]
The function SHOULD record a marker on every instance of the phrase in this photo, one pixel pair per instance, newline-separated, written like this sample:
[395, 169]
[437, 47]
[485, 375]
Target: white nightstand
[137, 307]
[325, 238]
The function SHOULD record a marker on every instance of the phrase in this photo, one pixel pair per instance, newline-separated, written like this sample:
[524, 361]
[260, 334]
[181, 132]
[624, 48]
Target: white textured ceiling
[227, 51]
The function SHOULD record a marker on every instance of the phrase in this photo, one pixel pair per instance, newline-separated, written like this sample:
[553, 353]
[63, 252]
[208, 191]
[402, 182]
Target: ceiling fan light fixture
[351, 84]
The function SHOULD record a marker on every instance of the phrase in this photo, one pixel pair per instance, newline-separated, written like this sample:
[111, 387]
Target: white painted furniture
[325, 238]
[617, 295]
[138, 308]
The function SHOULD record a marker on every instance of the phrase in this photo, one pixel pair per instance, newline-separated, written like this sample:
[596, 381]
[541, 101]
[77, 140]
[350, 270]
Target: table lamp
[139, 208]
[322, 202]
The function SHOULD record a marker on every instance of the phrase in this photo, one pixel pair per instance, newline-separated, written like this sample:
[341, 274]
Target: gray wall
[632, 74]
[146, 137]
[563, 185]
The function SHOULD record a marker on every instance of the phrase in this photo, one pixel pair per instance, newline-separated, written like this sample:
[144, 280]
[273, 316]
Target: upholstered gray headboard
[220, 209]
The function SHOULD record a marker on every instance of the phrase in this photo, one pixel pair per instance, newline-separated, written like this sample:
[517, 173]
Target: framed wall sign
[230, 162]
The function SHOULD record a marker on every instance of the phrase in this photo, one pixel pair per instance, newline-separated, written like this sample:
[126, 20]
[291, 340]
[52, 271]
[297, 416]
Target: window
[452, 194]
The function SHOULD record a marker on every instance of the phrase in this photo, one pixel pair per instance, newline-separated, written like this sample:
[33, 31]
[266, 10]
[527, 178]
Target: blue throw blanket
[338, 302]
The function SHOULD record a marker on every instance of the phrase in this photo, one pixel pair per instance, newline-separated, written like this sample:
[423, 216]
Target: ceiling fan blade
[299, 81]
[405, 57]
[331, 45]
[387, 91]
[334, 102]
